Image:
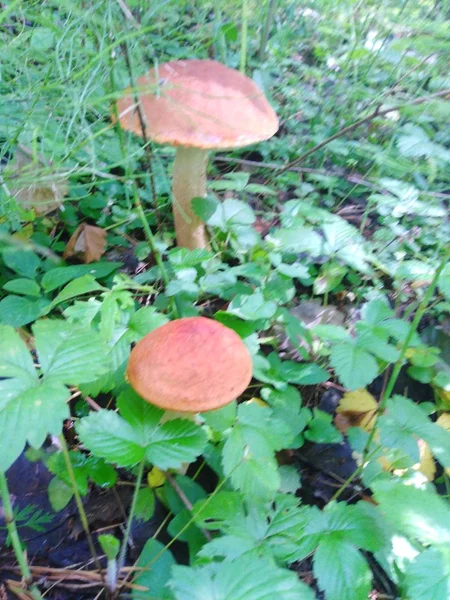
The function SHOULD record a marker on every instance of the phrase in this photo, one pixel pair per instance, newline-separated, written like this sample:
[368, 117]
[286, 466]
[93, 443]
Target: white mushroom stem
[189, 181]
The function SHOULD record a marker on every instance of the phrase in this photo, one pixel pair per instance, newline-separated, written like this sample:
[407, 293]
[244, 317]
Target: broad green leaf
[138, 433]
[341, 571]
[355, 367]
[23, 261]
[85, 284]
[428, 575]
[69, 353]
[321, 430]
[145, 504]
[15, 359]
[109, 436]
[231, 214]
[299, 239]
[18, 311]
[24, 287]
[414, 512]
[252, 307]
[61, 275]
[205, 208]
[247, 578]
[59, 494]
[30, 415]
[303, 374]
[110, 545]
[156, 562]
[145, 320]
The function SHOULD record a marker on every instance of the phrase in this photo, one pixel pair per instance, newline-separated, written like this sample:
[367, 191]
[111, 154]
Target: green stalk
[394, 375]
[244, 32]
[126, 537]
[79, 502]
[399, 364]
[271, 8]
[15, 539]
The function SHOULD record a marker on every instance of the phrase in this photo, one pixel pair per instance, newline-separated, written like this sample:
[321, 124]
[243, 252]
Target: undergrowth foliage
[334, 273]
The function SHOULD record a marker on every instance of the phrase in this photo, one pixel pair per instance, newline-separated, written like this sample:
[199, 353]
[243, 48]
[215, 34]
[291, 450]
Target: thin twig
[185, 500]
[376, 113]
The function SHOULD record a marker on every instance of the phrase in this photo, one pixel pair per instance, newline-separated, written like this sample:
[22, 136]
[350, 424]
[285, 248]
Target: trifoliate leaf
[139, 433]
[355, 367]
[341, 571]
[243, 579]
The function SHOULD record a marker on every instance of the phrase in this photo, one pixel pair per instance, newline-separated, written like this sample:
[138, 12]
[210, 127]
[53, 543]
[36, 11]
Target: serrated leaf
[69, 353]
[427, 577]
[341, 571]
[243, 579]
[145, 320]
[30, 415]
[355, 367]
[138, 433]
[414, 512]
[18, 311]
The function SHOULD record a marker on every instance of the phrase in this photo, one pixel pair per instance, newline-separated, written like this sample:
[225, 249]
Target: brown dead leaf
[356, 409]
[88, 243]
[34, 183]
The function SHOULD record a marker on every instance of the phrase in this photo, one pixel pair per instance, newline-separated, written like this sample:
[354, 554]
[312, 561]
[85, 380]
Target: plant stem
[376, 113]
[244, 31]
[272, 5]
[79, 503]
[126, 537]
[399, 364]
[15, 539]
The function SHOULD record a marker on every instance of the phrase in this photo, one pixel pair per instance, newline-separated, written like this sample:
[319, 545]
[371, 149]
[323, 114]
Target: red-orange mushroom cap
[193, 364]
[196, 106]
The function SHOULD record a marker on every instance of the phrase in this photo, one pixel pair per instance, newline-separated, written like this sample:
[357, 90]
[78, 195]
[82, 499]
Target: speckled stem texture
[189, 181]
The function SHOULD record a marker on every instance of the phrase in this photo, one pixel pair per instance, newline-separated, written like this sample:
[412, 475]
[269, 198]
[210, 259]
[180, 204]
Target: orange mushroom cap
[199, 104]
[193, 364]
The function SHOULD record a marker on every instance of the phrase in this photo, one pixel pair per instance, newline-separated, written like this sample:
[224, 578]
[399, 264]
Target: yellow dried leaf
[427, 465]
[88, 243]
[358, 408]
[156, 478]
[258, 401]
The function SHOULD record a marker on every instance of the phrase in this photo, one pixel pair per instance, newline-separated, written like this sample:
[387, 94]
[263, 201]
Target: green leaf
[145, 504]
[15, 359]
[300, 239]
[156, 562]
[70, 353]
[23, 262]
[303, 374]
[137, 433]
[29, 415]
[205, 207]
[145, 320]
[61, 275]
[355, 367]
[109, 436]
[414, 512]
[427, 577]
[247, 578]
[24, 287]
[321, 430]
[18, 311]
[231, 214]
[341, 571]
[110, 545]
[252, 307]
[79, 286]
[59, 494]
[444, 282]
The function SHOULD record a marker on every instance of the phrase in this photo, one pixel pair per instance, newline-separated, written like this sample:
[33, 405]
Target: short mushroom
[197, 105]
[194, 364]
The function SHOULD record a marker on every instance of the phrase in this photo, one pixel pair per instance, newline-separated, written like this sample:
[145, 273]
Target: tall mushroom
[197, 106]
[191, 365]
